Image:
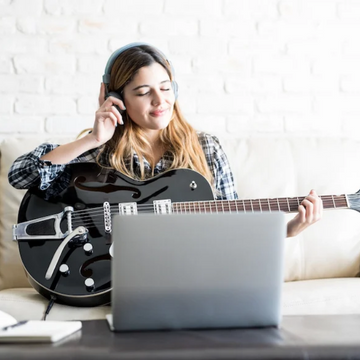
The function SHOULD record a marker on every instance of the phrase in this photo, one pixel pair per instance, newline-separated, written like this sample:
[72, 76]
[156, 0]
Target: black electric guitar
[65, 241]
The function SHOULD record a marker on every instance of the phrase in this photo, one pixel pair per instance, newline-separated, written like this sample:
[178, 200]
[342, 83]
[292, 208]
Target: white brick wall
[270, 67]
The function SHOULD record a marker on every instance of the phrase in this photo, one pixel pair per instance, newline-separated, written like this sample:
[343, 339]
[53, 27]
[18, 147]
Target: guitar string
[98, 221]
[213, 204]
[91, 216]
[327, 199]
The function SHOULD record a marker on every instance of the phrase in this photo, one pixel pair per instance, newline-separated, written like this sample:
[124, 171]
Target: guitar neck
[286, 204]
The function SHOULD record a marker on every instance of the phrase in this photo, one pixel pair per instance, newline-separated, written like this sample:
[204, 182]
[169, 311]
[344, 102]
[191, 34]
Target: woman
[139, 130]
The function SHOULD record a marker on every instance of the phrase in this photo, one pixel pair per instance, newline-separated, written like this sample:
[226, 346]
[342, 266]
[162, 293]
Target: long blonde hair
[179, 137]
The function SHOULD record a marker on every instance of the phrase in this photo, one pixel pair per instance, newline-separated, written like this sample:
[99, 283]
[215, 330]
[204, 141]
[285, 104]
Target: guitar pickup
[128, 208]
[162, 207]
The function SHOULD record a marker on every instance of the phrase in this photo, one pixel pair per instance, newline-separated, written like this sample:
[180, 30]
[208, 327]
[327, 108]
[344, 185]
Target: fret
[265, 205]
[287, 199]
[260, 205]
[182, 206]
[275, 204]
[333, 201]
[269, 204]
[293, 204]
[244, 207]
[248, 206]
[340, 201]
[187, 208]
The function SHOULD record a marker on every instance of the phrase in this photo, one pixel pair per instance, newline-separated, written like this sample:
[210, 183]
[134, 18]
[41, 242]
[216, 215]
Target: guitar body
[89, 187]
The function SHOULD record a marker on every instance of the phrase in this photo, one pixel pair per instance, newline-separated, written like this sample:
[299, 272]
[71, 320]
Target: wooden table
[298, 337]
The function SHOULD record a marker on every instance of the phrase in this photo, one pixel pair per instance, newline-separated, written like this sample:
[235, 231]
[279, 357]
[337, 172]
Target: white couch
[321, 264]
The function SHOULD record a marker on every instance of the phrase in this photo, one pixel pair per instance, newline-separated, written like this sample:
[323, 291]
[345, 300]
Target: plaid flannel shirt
[29, 171]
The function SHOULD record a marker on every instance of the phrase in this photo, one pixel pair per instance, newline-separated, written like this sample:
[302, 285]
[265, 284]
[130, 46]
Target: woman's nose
[158, 97]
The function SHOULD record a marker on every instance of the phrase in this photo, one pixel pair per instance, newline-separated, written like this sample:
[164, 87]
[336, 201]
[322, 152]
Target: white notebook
[35, 330]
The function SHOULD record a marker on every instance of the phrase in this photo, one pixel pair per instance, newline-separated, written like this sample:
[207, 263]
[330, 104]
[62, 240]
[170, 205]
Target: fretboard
[286, 204]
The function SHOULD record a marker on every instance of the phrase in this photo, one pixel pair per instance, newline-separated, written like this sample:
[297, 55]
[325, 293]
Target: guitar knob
[193, 185]
[64, 270]
[90, 284]
[88, 248]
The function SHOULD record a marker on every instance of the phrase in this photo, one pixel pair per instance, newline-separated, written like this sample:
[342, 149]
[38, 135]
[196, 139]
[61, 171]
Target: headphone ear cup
[175, 88]
[115, 95]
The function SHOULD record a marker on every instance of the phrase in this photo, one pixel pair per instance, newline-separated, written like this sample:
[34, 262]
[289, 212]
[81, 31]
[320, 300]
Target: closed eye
[148, 92]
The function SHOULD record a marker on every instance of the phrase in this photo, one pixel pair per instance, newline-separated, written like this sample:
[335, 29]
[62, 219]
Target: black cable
[50, 305]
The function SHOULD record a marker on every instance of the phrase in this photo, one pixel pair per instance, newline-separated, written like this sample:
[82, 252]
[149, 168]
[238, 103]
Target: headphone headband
[116, 54]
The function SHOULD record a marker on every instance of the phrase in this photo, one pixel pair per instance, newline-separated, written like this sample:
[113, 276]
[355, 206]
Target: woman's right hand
[106, 117]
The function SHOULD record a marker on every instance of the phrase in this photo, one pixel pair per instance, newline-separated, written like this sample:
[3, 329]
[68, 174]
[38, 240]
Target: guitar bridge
[44, 228]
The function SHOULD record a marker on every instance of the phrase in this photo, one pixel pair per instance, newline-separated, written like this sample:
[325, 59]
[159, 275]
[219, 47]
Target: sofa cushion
[27, 304]
[307, 297]
[321, 297]
[284, 167]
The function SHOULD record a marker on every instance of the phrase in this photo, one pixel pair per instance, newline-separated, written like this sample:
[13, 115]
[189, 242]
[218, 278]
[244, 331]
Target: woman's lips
[158, 112]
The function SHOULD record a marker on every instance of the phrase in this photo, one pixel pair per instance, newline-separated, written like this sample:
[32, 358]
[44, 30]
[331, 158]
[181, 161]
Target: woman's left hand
[310, 211]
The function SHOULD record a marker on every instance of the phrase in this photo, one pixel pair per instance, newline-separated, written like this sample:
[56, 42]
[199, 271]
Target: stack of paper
[35, 330]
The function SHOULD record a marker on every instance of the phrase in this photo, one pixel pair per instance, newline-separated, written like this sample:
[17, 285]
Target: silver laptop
[197, 271]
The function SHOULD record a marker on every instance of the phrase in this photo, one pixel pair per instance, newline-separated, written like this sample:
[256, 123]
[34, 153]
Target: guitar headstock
[354, 201]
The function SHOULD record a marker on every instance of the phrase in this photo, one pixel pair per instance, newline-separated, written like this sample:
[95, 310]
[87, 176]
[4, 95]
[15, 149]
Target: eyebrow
[142, 86]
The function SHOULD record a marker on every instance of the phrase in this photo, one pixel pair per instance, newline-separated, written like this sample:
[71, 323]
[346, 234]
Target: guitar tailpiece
[47, 227]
